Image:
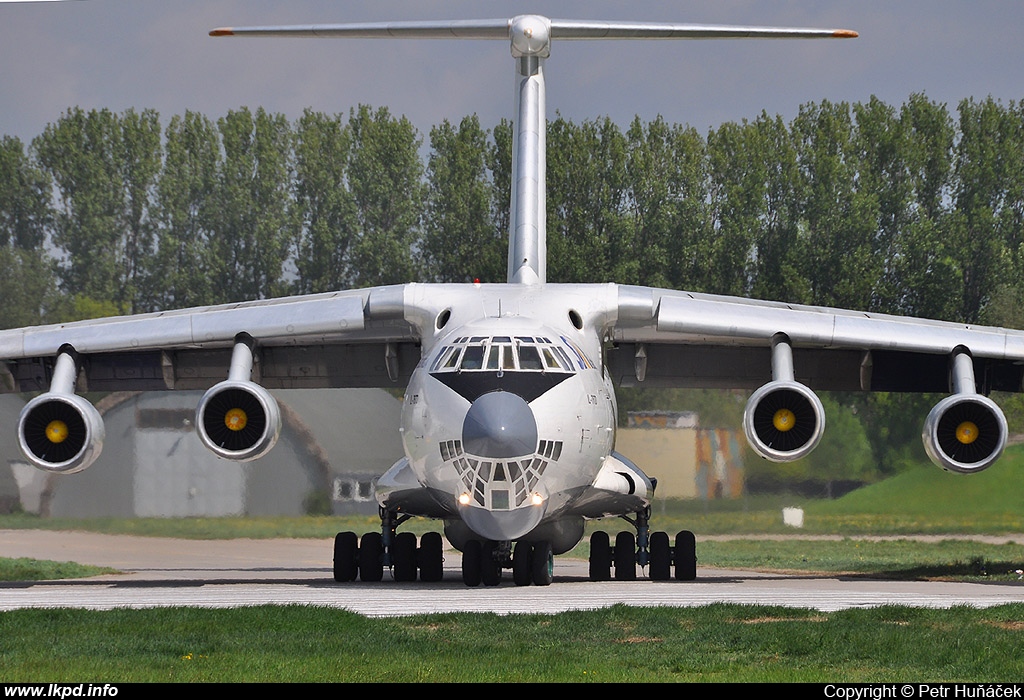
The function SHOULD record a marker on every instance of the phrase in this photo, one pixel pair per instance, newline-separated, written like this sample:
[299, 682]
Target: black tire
[346, 549]
[371, 557]
[490, 567]
[600, 556]
[522, 564]
[625, 556]
[403, 557]
[471, 556]
[431, 557]
[543, 563]
[686, 556]
[660, 557]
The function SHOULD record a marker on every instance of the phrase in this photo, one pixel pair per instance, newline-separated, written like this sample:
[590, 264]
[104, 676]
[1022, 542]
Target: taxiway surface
[230, 573]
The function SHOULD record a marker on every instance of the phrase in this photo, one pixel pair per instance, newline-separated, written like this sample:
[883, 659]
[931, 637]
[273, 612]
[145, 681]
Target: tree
[460, 242]
[27, 279]
[24, 198]
[187, 213]
[980, 244]
[667, 192]
[251, 242]
[839, 218]
[385, 178]
[325, 223]
[104, 167]
[589, 237]
[922, 274]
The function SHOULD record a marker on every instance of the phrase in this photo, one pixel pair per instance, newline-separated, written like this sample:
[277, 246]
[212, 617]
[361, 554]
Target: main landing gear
[367, 558]
[648, 549]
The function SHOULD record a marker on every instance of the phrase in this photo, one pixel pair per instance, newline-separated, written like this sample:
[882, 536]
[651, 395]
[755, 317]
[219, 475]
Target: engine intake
[60, 433]
[783, 421]
[965, 433]
[238, 420]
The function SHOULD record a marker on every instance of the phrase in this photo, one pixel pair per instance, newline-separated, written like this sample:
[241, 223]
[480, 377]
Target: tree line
[913, 210]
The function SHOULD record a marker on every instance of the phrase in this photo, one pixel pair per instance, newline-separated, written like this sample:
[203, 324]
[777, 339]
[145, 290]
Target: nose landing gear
[531, 562]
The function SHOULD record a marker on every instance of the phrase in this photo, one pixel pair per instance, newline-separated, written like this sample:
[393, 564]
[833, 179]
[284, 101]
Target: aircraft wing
[684, 339]
[356, 338]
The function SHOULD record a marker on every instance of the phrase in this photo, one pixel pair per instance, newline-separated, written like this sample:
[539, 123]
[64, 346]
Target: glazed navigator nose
[500, 425]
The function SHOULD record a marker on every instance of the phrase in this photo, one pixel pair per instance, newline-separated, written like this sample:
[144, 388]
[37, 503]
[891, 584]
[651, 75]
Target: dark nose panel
[500, 425]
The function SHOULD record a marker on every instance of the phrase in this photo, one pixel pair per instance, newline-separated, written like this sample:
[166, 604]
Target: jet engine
[965, 432]
[238, 419]
[784, 420]
[59, 431]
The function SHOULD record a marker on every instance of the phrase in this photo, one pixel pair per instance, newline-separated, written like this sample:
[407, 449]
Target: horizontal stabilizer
[559, 29]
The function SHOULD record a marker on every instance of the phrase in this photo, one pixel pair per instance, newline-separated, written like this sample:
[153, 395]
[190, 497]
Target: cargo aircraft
[509, 414]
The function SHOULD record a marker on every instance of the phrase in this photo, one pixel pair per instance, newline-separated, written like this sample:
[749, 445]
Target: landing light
[464, 499]
[536, 499]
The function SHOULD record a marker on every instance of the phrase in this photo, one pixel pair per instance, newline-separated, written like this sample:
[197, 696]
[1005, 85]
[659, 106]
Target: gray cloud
[128, 53]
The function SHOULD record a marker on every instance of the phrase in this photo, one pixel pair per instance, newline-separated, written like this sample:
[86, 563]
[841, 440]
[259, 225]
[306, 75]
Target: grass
[25, 569]
[718, 643]
[903, 559]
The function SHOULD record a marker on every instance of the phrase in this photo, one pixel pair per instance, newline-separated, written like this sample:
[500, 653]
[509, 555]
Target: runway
[158, 572]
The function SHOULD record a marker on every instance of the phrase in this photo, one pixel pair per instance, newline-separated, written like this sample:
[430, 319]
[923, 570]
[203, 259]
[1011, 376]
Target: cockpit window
[529, 358]
[503, 353]
[473, 357]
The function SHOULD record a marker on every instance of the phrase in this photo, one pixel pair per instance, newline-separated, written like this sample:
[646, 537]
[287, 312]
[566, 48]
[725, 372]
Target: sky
[121, 54]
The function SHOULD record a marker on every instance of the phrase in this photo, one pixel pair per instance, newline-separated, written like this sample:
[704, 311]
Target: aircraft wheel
[522, 564]
[371, 557]
[431, 557]
[600, 556]
[490, 568]
[471, 557]
[625, 556]
[543, 563]
[403, 557]
[661, 557]
[346, 547]
[686, 556]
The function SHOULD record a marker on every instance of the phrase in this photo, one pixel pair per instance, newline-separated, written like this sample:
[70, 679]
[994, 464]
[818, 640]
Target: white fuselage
[509, 416]
[506, 421]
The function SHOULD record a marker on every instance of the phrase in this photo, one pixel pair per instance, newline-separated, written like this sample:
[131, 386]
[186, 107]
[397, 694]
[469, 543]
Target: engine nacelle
[784, 421]
[238, 420]
[60, 433]
[965, 433]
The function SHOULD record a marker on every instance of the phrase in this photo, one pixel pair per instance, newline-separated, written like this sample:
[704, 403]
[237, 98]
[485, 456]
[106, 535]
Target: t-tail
[530, 37]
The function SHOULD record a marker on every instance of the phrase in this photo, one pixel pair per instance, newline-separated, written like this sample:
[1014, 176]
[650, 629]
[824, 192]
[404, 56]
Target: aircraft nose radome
[502, 525]
[500, 425]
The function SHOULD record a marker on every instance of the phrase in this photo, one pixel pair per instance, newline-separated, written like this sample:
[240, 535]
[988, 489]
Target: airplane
[509, 413]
